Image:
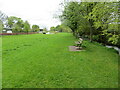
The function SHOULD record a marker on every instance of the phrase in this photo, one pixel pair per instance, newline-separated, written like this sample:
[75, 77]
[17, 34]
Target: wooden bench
[79, 42]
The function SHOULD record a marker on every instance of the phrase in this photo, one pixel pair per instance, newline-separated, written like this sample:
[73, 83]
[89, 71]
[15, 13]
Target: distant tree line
[61, 28]
[16, 24]
[98, 21]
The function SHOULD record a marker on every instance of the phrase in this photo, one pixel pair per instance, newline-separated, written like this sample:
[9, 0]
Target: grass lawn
[44, 61]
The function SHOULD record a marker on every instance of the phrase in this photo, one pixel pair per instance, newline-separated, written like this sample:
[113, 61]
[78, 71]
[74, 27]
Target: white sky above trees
[40, 12]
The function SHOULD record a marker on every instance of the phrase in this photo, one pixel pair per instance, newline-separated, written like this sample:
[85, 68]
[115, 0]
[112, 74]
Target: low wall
[18, 33]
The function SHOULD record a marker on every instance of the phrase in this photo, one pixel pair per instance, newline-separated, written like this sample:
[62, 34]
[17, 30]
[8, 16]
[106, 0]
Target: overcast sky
[40, 12]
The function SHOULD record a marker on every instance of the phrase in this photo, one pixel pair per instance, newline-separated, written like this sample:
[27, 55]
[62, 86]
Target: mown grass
[44, 61]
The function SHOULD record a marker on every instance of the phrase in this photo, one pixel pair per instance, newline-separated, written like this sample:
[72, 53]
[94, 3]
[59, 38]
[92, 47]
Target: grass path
[38, 61]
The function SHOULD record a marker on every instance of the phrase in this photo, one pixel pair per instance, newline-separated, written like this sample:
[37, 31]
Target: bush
[95, 37]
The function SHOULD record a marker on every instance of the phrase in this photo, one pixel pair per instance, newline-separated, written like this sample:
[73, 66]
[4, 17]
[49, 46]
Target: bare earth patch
[74, 48]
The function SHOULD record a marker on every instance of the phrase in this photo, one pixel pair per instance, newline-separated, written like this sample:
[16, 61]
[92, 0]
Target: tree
[35, 28]
[16, 28]
[70, 15]
[58, 28]
[106, 19]
[62, 28]
[45, 30]
[52, 29]
[88, 18]
[75, 16]
[16, 24]
[1, 26]
[3, 21]
[65, 28]
[26, 27]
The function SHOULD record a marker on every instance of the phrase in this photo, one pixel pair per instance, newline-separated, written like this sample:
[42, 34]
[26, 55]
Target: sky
[39, 12]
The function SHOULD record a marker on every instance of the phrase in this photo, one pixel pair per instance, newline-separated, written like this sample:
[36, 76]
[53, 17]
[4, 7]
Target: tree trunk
[91, 30]
[91, 34]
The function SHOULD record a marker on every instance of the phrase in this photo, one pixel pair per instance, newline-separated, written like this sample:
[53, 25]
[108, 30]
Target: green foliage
[95, 37]
[107, 19]
[16, 28]
[93, 18]
[1, 26]
[61, 28]
[52, 28]
[35, 28]
[11, 21]
[114, 39]
[45, 30]
[65, 28]
[70, 15]
[75, 15]
[26, 27]
[16, 24]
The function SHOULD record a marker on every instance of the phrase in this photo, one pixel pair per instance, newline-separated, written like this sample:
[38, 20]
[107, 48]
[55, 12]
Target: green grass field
[44, 61]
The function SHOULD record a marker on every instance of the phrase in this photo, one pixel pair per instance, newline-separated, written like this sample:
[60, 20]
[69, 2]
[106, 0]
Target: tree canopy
[61, 28]
[26, 27]
[35, 28]
[16, 24]
[97, 21]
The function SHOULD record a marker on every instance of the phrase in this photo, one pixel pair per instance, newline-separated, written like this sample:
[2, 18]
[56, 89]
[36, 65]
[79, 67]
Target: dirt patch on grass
[74, 48]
